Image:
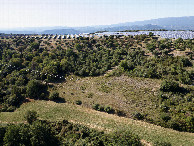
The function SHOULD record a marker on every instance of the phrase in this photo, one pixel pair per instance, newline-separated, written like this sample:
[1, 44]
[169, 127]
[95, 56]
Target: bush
[78, 102]
[90, 95]
[98, 107]
[120, 113]
[186, 62]
[164, 107]
[108, 109]
[174, 124]
[101, 108]
[165, 117]
[190, 124]
[167, 86]
[31, 116]
[95, 106]
[162, 96]
[189, 97]
[138, 116]
[159, 143]
[54, 96]
[122, 138]
[15, 100]
[11, 109]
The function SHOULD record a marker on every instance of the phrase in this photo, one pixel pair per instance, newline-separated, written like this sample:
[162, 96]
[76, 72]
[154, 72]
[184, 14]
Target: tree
[24, 134]
[151, 47]
[34, 45]
[64, 64]
[35, 89]
[17, 62]
[31, 116]
[151, 34]
[2, 134]
[12, 137]
[41, 134]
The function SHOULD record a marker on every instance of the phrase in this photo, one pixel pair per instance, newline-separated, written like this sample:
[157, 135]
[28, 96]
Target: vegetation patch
[101, 121]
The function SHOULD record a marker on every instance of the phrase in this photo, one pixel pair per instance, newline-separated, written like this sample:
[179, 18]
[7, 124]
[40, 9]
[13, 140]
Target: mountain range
[170, 23]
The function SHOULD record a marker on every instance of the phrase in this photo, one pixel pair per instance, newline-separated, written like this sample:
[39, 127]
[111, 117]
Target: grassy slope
[102, 121]
[122, 93]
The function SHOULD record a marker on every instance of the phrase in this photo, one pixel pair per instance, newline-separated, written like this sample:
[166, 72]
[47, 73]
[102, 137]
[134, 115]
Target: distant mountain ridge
[170, 23]
[61, 31]
[175, 23]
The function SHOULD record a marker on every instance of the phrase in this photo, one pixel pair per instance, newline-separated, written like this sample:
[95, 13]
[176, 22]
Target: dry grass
[122, 93]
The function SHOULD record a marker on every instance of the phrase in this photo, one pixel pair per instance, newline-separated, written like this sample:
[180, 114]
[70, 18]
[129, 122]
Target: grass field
[52, 111]
[122, 93]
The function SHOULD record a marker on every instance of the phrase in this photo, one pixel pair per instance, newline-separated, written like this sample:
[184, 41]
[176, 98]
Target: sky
[41, 13]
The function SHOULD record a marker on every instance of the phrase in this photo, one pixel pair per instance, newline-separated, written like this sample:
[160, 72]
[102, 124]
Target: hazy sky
[37, 13]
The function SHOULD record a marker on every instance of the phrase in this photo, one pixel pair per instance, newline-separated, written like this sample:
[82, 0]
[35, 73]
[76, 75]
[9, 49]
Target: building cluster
[45, 36]
[162, 34]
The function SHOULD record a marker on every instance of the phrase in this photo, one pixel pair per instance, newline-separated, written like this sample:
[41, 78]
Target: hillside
[142, 84]
[171, 23]
[101, 121]
[61, 31]
[121, 93]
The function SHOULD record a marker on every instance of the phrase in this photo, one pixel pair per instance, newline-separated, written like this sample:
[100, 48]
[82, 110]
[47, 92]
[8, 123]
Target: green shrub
[174, 124]
[101, 108]
[138, 116]
[31, 116]
[54, 96]
[163, 96]
[168, 86]
[164, 107]
[15, 100]
[98, 107]
[165, 117]
[190, 124]
[90, 95]
[78, 102]
[95, 106]
[108, 109]
[10, 108]
[189, 97]
[123, 138]
[186, 62]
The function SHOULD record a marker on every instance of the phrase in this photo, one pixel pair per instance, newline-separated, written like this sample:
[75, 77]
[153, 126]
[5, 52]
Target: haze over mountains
[171, 23]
